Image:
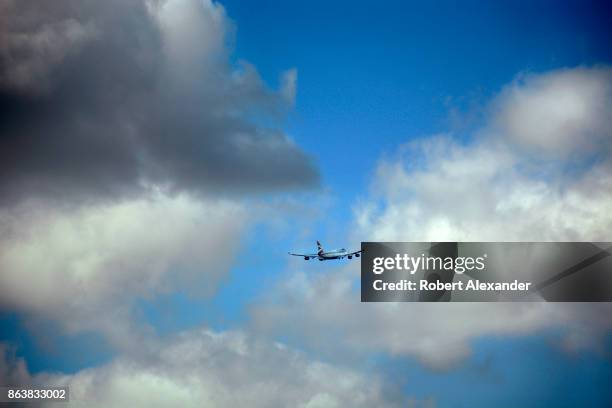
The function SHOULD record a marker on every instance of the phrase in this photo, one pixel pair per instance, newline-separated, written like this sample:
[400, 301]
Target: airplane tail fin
[319, 248]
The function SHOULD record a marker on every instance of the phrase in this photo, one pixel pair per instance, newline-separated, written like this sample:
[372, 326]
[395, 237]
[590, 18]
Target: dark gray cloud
[106, 99]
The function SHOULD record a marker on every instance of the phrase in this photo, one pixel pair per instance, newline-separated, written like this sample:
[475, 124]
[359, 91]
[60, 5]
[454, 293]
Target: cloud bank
[215, 369]
[128, 141]
[86, 268]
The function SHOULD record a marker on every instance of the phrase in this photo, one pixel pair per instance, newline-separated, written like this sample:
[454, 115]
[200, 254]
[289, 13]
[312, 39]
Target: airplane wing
[356, 252]
[308, 255]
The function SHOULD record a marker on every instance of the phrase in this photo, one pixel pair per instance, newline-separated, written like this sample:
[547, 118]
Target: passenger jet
[323, 255]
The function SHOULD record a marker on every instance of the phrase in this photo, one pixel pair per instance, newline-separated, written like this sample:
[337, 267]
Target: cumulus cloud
[487, 189]
[481, 191]
[563, 114]
[127, 140]
[217, 369]
[440, 189]
[85, 268]
[324, 313]
[100, 100]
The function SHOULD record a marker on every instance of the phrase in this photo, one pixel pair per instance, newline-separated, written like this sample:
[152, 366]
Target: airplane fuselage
[335, 254]
[323, 255]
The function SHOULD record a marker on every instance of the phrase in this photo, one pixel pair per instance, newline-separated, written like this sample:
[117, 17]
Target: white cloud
[484, 192]
[219, 369]
[489, 189]
[323, 312]
[85, 267]
[440, 189]
[560, 114]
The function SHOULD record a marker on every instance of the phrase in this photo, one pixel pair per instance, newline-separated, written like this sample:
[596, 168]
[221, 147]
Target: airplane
[323, 255]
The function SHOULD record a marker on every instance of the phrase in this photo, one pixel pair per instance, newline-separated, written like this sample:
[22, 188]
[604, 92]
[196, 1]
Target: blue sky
[371, 77]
